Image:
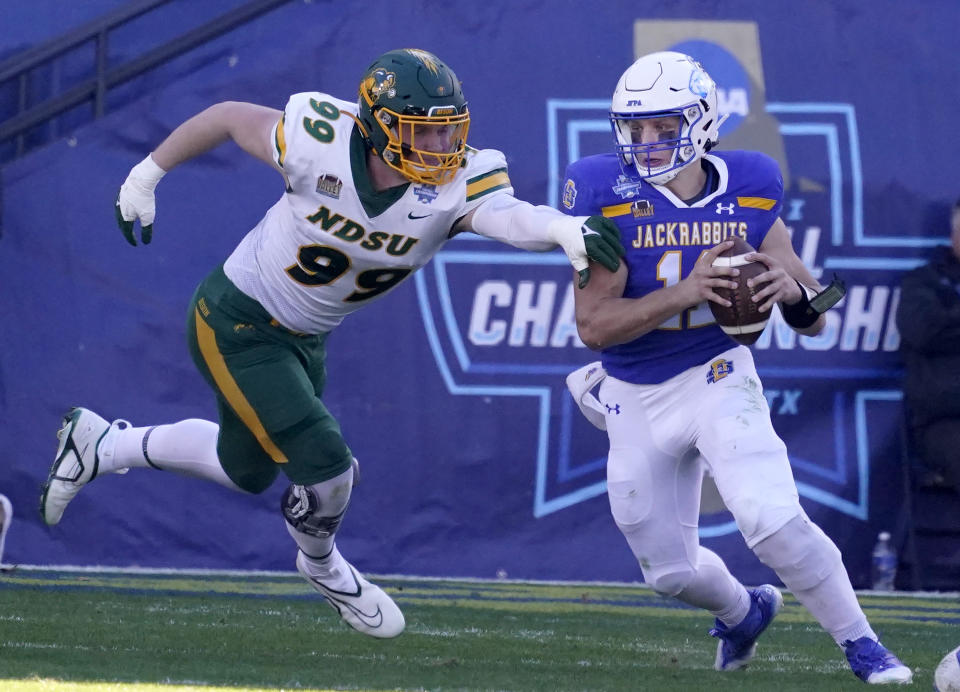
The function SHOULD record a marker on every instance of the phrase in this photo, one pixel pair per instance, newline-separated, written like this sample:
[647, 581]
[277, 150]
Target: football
[946, 678]
[742, 321]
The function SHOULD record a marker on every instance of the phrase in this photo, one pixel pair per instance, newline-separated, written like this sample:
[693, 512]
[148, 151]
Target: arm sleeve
[498, 215]
[523, 225]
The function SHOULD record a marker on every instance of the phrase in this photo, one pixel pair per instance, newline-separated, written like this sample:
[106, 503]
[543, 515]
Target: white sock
[331, 569]
[834, 605]
[188, 447]
[852, 634]
[716, 590]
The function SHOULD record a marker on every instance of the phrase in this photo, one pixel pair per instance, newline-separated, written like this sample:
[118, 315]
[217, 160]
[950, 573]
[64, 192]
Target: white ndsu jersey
[316, 256]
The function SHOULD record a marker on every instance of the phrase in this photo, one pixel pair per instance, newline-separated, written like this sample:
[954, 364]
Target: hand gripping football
[742, 321]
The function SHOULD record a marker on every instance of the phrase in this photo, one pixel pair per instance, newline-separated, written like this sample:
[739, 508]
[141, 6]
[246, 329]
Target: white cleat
[363, 606]
[6, 516]
[76, 463]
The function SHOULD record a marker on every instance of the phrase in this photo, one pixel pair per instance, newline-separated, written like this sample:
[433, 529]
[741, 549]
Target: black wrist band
[800, 315]
[807, 310]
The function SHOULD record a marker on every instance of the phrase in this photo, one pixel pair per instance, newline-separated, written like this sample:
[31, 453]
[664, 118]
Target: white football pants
[654, 473]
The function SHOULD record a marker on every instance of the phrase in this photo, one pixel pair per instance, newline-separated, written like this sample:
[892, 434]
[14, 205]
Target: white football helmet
[674, 89]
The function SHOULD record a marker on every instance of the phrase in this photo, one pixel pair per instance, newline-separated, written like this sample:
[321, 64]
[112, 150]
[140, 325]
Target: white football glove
[136, 200]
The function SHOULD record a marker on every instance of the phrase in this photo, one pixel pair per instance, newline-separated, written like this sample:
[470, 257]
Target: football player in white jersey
[374, 189]
[676, 392]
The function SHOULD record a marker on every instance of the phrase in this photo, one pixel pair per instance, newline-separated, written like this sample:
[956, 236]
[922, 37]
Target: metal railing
[94, 89]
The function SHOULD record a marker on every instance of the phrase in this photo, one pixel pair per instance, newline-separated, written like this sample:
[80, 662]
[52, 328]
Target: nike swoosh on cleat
[412, 216]
[373, 620]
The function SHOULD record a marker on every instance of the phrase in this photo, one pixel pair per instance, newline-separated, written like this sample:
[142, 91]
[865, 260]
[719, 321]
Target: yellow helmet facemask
[414, 115]
[424, 148]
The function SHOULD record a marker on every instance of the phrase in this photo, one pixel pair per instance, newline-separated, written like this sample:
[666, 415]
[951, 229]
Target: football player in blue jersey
[679, 396]
[374, 187]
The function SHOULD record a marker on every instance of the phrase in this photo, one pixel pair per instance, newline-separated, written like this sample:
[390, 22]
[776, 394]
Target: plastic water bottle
[884, 563]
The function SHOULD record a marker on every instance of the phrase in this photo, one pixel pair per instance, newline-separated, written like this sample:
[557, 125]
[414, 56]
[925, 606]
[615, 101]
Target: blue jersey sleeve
[772, 190]
[770, 181]
[756, 185]
[577, 192]
[767, 183]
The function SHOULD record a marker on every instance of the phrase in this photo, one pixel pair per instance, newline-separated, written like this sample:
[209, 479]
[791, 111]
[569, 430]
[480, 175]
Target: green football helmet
[414, 115]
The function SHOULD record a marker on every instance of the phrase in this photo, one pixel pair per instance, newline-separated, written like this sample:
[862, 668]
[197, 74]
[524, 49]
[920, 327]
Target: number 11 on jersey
[669, 272]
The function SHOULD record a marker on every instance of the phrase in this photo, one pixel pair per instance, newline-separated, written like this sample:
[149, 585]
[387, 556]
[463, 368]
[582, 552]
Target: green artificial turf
[118, 631]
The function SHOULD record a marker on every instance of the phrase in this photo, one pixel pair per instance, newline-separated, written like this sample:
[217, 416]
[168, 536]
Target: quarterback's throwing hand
[601, 238]
[136, 201]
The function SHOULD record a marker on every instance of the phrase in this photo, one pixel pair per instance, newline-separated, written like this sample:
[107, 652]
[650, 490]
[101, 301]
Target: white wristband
[148, 172]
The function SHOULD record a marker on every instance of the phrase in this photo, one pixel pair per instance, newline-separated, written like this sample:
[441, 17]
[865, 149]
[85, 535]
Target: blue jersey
[663, 237]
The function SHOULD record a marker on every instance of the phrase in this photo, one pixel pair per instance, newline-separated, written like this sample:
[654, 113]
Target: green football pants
[268, 382]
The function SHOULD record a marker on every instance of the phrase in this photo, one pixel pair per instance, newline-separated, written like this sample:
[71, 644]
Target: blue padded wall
[473, 458]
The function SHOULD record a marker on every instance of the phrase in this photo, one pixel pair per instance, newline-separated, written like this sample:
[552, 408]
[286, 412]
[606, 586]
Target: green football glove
[601, 237]
[126, 227]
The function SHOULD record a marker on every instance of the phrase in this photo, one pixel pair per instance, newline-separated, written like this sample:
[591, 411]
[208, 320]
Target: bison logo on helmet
[380, 83]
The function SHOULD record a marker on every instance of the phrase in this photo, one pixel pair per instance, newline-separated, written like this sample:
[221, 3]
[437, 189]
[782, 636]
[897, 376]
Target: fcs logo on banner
[501, 322]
